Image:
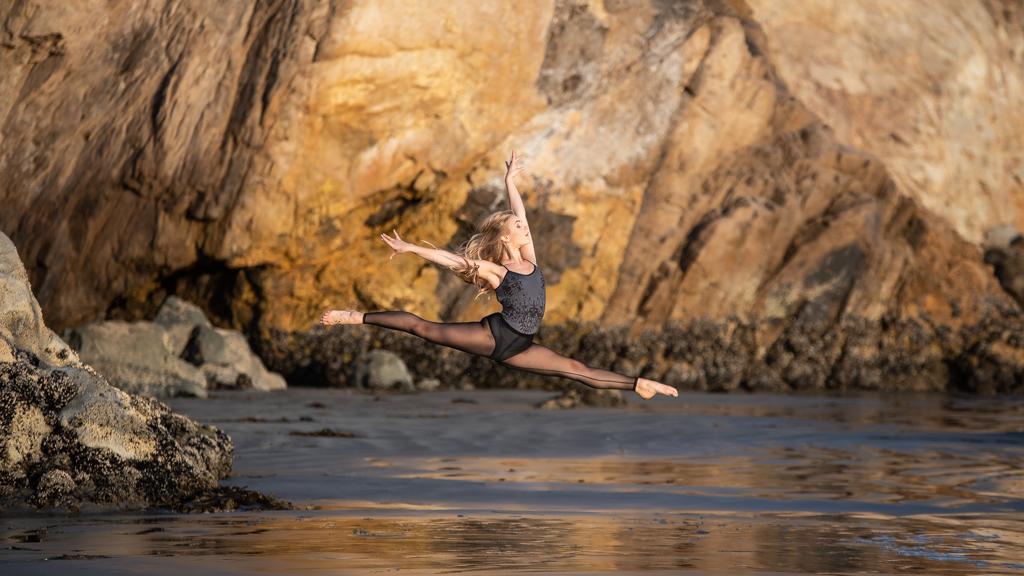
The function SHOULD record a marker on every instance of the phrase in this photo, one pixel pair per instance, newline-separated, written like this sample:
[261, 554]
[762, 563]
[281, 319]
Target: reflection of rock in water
[577, 396]
[557, 541]
[325, 433]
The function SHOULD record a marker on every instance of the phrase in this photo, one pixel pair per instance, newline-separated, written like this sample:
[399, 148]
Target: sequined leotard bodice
[522, 299]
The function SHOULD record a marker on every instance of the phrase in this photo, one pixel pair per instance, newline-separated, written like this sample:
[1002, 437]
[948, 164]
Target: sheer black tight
[472, 337]
[476, 338]
[543, 360]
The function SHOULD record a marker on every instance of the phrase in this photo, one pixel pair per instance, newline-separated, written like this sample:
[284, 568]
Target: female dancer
[499, 257]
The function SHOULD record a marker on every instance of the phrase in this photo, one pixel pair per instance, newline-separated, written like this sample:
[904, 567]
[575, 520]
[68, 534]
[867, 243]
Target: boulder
[178, 318]
[137, 358]
[21, 319]
[225, 356]
[428, 384]
[179, 353]
[71, 441]
[382, 370]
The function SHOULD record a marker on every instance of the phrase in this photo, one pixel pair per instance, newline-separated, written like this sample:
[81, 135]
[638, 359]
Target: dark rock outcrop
[71, 441]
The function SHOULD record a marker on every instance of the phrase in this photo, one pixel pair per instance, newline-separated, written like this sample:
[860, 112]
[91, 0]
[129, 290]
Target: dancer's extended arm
[487, 269]
[399, 246]
[442, 257]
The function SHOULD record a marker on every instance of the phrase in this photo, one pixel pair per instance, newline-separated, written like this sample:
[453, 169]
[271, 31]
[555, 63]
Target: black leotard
[522, 298]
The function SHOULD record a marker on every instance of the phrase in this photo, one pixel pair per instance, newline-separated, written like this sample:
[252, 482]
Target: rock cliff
[796, 169]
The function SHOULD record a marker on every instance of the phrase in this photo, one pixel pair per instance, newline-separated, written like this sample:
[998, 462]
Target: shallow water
[482, 481]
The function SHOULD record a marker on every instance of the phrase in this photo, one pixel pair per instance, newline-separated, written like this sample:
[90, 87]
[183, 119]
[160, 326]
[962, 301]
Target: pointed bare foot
[341, 317]
[648, 388]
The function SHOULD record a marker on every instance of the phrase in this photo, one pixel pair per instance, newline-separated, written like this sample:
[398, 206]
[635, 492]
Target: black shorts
[507, 340]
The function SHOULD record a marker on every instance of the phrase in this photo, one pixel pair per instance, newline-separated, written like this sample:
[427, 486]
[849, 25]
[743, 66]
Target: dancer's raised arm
[515, 202]
[512, 167]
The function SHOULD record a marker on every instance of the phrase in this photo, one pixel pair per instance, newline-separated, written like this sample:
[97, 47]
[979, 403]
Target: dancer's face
[516, 232]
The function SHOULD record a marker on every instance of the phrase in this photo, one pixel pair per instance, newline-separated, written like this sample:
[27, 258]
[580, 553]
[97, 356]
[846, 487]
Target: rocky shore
[69, 441]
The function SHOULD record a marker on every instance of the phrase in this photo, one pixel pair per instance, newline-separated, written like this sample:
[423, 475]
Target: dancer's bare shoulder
[491, 272]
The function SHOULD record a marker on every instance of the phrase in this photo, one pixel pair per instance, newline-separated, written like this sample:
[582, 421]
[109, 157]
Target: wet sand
[481, 481]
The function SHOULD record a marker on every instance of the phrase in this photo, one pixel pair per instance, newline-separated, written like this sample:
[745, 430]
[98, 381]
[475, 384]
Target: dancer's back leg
[472, 337]
[543, 360]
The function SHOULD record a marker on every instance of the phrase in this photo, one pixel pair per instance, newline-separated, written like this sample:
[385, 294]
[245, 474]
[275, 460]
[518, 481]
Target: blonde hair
[485, 244]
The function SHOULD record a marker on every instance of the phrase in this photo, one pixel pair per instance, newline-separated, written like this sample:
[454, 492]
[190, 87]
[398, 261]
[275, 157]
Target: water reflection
[794, 543]
[998, 419]
[711, 484]
[783, 473]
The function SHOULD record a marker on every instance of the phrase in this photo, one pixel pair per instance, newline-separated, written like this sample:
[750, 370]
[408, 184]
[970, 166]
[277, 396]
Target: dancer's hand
[512, 166]
[397, 244]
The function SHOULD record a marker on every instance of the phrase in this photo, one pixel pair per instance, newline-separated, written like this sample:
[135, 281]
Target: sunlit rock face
[776, 162]
[934, 89]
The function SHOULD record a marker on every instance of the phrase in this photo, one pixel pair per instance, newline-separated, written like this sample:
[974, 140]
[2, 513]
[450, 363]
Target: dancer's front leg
[472, 337]
[543, 360]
